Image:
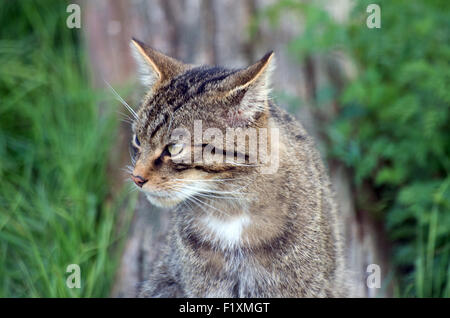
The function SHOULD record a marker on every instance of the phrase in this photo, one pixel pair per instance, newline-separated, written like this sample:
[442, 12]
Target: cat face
[182, 104]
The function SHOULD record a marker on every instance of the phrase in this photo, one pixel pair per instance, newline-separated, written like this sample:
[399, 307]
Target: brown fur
[291, 244]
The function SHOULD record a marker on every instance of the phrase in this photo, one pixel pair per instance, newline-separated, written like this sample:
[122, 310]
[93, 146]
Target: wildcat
[235, 231]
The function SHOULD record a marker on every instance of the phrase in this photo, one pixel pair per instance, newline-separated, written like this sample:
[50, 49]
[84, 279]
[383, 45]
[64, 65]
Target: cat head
[184, 102]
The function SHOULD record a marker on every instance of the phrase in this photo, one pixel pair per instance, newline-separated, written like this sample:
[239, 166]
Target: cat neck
[239, 222]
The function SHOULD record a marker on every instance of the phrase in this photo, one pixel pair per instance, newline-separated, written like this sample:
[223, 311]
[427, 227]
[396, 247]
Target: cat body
[235, 231]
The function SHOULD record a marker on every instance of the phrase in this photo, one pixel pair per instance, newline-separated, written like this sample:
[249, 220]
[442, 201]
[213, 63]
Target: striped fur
[235, 232]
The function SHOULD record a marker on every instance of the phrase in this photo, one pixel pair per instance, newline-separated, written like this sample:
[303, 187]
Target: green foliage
[54, 144]
[393, 128]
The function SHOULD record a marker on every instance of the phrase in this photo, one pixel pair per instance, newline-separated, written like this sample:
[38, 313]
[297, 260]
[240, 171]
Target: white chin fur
[163, 202]
[169, 199]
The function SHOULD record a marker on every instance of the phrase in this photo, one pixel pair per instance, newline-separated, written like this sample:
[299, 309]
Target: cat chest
[224, 233]
[219, 250]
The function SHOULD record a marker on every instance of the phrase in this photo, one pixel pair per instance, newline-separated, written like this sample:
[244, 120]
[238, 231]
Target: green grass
[55, 205]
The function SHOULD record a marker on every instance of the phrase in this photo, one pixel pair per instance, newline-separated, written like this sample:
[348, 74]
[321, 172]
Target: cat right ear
[154, 66]
[250, 87]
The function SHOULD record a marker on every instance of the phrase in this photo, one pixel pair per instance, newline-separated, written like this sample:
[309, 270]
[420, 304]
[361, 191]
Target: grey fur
[293, 245]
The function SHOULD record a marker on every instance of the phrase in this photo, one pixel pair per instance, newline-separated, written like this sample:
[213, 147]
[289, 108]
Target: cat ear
[250, 87]
[153, 65]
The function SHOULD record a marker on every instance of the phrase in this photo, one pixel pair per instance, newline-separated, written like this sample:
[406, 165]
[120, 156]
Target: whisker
[120, 99]
[205, 195]
[133, 160]
[212, 207]
[209, 180]
[131, 187]
[208, 190]
[128, 172]
[185, 203]
[128, 169]
[124, 117]
[126, 121]
[213, 191]
[195, 197]
[188, 199]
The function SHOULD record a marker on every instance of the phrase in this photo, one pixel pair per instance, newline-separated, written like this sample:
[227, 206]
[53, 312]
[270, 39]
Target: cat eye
[175, 149]
[136, 140]
[134, 147]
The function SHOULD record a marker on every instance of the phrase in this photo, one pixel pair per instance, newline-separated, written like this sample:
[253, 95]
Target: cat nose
[138, 180]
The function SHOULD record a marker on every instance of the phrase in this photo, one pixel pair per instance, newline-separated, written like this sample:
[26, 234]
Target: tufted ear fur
[154, 66]
[251, 88]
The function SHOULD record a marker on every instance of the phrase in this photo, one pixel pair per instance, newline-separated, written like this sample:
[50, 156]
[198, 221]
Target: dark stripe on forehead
[180, 103]
[213, 80]
[181, 90]
[199, 79]
[159, 125]
[176, 93]
[182, 83]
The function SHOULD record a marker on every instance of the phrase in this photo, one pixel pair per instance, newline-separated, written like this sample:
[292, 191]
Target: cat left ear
[154, 66]
[251, 88]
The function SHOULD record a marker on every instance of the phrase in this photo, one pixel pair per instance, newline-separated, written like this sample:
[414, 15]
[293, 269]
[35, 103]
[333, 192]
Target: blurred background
[376, 100]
